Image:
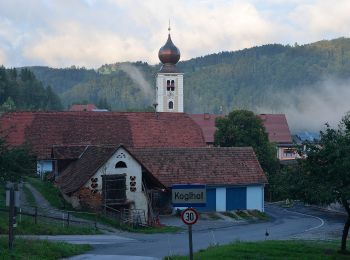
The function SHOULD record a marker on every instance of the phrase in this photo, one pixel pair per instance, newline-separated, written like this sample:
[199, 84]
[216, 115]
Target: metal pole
[190, 241]
[11, 216]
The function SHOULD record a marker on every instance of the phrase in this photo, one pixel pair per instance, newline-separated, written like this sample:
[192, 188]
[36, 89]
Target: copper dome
[169, 53]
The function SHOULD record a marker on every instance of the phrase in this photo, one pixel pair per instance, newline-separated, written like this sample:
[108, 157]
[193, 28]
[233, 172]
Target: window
[170, 85]
[171, 105]
[120, 164]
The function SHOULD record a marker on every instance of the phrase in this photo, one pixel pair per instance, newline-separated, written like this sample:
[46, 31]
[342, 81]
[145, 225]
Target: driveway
[298, 222]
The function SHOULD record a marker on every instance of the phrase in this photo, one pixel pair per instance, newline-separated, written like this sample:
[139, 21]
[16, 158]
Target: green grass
[27, 226]
[242, 214]
[230, 214]
[29, 196]
[49, 192]
[39, 249]
[258, 214]
[152, 230]
[271, 250]
[213, 216]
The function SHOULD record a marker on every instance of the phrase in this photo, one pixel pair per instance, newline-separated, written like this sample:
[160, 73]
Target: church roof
[43, 130]
[169, 55]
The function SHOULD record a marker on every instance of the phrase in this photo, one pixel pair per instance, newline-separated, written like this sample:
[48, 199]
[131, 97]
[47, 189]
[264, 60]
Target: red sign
[189, 216]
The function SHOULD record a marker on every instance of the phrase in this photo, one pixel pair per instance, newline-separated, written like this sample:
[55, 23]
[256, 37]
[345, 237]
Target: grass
[213, 216]
[271, 250]
[39, 249]
[29, 196]
[27, 226]
[230, 214]
[152, 230]
[258, 214]
[49, 192]
[242, 214]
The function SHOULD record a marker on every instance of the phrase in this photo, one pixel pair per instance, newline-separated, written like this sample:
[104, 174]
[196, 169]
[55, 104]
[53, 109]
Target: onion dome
[169, 55]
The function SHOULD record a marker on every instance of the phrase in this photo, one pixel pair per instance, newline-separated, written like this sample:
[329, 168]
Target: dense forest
[20, 90]
[247, 79]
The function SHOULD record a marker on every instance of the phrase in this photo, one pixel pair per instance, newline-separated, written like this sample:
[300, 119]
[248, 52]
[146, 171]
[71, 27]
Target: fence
[49, 215]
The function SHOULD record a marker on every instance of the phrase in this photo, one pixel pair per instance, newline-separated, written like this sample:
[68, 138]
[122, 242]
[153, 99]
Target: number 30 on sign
[189, 216]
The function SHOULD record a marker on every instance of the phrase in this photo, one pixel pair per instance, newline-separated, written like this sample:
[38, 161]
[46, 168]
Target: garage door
[211, 201]
[236, 198]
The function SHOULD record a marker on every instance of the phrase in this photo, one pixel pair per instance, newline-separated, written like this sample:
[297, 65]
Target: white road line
[307, 215]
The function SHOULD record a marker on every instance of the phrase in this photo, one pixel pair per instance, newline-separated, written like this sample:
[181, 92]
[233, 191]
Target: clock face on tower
[170, 94]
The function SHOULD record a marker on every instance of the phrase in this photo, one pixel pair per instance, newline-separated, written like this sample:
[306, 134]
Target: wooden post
[36, 215]
[68, 219]
[11, 217]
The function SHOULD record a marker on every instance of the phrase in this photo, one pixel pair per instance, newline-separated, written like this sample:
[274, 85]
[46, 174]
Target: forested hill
[20, 90]
[248, 78]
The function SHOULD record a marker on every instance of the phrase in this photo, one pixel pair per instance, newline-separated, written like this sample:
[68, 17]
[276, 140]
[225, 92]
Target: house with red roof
[44, 130]
[275, 124]
[139, 154]
[141, 178]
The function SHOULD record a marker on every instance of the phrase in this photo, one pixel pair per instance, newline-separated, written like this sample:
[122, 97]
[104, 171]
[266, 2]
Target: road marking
[320, 219]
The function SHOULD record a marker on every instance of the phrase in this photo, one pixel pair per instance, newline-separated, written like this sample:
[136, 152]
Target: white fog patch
[308, 109]
[136, 75]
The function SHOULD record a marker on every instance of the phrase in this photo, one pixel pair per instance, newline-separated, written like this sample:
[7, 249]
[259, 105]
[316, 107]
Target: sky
[90, 33]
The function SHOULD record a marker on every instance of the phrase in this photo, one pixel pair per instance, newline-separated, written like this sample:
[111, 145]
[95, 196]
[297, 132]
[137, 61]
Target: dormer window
[120, 164]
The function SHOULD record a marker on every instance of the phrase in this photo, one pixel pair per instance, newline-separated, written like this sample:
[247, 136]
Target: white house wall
[220, 199]
[255, 197]
[133, 169]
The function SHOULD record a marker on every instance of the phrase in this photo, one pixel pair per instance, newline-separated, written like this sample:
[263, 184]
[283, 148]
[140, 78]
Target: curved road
[296, 223]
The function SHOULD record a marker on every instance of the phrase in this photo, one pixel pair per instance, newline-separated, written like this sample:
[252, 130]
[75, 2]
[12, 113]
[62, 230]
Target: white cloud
[91, 33]
[2, 57]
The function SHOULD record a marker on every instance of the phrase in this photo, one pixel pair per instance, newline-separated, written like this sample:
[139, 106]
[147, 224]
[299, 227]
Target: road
[296, 223]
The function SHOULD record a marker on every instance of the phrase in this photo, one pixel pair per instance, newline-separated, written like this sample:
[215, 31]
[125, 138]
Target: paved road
[295, 223]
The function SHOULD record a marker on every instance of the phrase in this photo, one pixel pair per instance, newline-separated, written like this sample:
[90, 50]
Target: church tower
[169, 88]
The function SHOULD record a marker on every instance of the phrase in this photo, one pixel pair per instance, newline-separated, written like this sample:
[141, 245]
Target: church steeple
[169, 79]
[169, 55]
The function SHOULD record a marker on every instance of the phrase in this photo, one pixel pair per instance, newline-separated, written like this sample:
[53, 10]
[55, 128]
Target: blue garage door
[211, 201]
[236, 198]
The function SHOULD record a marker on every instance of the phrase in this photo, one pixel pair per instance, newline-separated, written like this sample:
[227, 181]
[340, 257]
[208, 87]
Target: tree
[244, 128]
[15, 162]
[325, 174]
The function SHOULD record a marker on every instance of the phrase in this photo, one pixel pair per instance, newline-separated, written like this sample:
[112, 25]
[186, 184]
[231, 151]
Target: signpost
[189, 195]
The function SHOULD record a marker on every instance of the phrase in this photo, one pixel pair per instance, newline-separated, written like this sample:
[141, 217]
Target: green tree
[15, 162]
[8, 105]
[324, 177]
[244, 128]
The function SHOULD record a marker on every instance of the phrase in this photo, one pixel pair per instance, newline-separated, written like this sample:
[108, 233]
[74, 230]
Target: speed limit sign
[189, 216]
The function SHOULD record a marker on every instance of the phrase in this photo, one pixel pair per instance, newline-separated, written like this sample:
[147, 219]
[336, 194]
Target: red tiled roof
[277, 128]
[87, 107]
[275, 124]
[80, 171]
[43, 130]
[211, 166]
[207, 124]
[68, 151]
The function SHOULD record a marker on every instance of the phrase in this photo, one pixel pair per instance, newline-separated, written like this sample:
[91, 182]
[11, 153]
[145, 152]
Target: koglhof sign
[189, 195]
